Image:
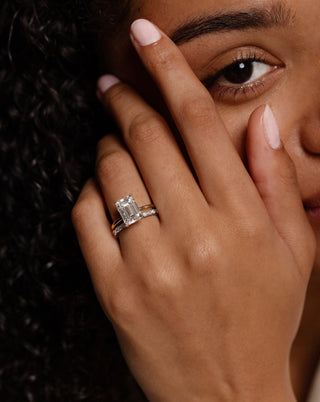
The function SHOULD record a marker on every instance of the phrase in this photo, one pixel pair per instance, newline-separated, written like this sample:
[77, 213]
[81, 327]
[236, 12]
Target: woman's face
[248, 53]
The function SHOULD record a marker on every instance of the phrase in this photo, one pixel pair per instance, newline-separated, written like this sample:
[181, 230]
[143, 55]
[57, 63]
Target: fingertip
[256, 117]
[263, 129]
[104, 83]
[258, 112]
[144, 32]
[271, 129]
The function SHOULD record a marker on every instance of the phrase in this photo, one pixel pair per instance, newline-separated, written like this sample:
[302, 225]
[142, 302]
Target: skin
[144, 282]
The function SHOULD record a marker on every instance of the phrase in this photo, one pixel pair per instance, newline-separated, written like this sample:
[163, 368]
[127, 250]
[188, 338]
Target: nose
[310, 133]
[306, 106]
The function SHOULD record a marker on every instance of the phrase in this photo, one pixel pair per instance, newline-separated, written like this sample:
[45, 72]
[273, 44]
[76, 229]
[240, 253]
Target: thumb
[274, 175]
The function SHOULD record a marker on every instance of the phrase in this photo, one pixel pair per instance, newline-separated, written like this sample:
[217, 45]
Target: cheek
[236, 122]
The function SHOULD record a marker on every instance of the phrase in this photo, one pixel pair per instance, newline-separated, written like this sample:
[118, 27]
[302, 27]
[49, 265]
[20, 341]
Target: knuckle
[163, 285]
[110, 165]
[146, 128]
[164, 59]
[116, 94]
[198, 109]
[160, 281]
[120, 301]
[162, 274]
[203, 255]
[118, 308]
[81, 212]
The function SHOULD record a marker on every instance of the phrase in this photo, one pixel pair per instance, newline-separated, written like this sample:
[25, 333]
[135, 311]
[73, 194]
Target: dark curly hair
[56, 344]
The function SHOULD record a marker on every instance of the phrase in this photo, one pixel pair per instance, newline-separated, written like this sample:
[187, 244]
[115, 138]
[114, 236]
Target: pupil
[239, 73]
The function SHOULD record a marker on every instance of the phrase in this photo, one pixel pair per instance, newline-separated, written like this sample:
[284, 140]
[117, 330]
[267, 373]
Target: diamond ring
[130, 213]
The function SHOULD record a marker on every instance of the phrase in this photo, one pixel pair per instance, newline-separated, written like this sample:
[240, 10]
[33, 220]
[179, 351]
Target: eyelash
[224, 91]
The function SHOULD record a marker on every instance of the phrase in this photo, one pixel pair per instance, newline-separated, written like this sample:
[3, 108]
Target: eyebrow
[278, 15]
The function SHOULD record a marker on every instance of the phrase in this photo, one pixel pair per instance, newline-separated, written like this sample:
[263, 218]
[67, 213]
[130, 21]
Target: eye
[243, 72]
[245, 78]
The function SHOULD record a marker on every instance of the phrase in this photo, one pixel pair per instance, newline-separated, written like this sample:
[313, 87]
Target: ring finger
[118, 177]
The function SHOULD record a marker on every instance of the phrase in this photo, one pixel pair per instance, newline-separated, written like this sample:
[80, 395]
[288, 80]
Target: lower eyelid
[225, 94]
[234, 94]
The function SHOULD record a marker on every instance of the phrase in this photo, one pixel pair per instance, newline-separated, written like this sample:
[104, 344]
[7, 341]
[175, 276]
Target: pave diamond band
[144, 208]
[119, 228]
[130, 213]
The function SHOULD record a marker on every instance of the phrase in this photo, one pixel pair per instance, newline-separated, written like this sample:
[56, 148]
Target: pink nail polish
[105, 82]
[144, 32]
[271, 129]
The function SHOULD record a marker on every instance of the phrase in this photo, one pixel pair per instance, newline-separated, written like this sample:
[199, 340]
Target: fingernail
[144, 32]
[271, 129]
[105, 82]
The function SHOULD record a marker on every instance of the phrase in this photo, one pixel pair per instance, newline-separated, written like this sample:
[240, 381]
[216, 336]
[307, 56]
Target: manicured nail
[104, 83]
[271, 129]
[144, 32]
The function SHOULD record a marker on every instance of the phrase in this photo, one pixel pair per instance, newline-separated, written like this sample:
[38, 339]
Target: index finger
[207, 141]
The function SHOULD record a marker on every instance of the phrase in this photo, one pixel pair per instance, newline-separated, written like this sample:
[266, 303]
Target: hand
[206, 298]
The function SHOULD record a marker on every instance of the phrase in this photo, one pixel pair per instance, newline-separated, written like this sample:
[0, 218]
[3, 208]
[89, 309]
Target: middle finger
[193, 110]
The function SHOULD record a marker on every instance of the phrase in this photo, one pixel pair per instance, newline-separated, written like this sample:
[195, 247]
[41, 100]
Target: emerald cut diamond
[128, 210]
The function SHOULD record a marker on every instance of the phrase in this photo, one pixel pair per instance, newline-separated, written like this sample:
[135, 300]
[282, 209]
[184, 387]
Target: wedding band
[130, 213]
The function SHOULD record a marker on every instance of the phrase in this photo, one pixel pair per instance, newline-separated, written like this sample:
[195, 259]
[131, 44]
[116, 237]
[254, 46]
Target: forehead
[168, 13]
[171, 15]
[171, 12]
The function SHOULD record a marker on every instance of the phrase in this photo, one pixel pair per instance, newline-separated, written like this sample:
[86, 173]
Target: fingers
[275, 178]
[163, 167]
[193, 110]
[156, 153]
